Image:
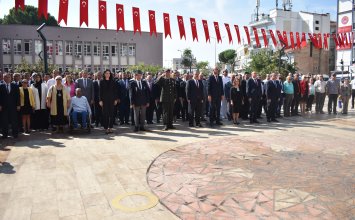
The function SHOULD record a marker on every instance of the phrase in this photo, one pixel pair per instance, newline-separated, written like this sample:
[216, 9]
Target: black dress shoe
[142, 129]
[219, 123]
[165, 128]
[135, 129]
[274, 120]
[172, 127]
[199, 126]
[256, 121]
[121, 123]
[269, 120]
[191, 125]
[158, 122]
[115, 123]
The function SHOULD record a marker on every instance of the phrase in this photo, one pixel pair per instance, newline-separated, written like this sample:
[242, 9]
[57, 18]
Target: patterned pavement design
[269, 177]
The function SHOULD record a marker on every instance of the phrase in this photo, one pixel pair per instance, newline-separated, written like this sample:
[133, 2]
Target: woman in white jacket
[41, 116]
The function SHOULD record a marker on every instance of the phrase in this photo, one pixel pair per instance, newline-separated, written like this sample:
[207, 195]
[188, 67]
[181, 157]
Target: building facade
[78, 48]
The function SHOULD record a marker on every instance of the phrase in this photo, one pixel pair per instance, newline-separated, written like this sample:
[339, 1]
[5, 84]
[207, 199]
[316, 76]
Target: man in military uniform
[168, 98]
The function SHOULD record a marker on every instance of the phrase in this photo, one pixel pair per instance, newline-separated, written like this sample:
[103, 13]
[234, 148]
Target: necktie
[126, 84]
[139, 85]
[216, 78]
[275, 83]
[196, 83]
[8, 88]
[84, 83]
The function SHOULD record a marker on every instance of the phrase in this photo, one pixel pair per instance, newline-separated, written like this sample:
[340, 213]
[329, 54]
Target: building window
[6, 46]
[96, 49]
[123, 50]
[114, 50]
[87, 48]
[38, 47]
[28, 46]
[105, 50]
[132, 50]
[97, 68]
[59, 48]
[116, 69]
[87, 68]
[317, 28]
[317, 22]
[69, 47]
[7, 68]
[17, 47]
[78, 49]
[50, 47]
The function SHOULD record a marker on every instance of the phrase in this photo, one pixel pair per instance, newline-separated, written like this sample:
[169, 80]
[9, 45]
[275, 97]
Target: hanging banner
[230, 38]
[273, 38]
[298, 40]
[313, 39]
[63, 11]
[256, 35]
[167, 30]
[325, 36]
[292, 39]
[238, 33]
[193, 29]
[136, 20]
[43, 8]
[266, 43]
[181, 27]
[246, 29]
[304, 40]
[334, 36]
[120, 17]
[84, 12]
[205, 28]
[281, 39]
[320, 41]
[285, 38]
[102, 14]
[152, 23]
[20, 4]
[218, 33]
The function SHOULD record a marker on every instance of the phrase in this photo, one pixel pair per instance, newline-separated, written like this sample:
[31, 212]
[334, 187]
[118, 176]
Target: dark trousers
[279, 104]
[158, 111]
[184, 110]
[9, 116]
[124, 110]
[108, 116]
[353, 98]
[195, 112]
[150, 111]
[215, 110]
[40, 119]
[295, 104]
[287, 104]
[310, 102]
[271, 109]
[98, 114]
[332, 102]
[168, 113]
[254, 108]
[320, 97]
[245, 108]
[177, 109]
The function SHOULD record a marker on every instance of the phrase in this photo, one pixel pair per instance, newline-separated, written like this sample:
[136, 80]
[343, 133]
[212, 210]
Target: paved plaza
[300, 168]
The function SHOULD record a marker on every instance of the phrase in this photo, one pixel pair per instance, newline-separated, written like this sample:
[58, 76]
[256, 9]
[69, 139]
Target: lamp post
[45, 55]
[215, 49]
[282, 51]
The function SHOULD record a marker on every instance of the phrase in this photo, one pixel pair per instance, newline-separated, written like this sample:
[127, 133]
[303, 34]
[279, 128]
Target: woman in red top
[304, 93]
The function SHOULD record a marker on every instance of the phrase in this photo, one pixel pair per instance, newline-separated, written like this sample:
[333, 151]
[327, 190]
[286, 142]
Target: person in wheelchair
[79, 106]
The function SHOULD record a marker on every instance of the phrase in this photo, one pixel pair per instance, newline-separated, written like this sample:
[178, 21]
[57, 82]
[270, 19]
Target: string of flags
[319, 40]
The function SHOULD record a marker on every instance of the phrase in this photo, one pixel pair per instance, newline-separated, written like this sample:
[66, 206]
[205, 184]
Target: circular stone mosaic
[232, 178]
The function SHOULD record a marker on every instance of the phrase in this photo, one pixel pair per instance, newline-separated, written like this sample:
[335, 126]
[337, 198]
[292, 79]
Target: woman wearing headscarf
[40, 90]
[108, 100]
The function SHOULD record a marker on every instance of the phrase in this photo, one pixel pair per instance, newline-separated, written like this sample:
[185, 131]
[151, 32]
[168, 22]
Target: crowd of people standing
[40, 102]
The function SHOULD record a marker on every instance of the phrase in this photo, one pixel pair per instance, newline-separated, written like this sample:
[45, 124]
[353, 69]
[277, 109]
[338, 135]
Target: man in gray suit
[87, 87]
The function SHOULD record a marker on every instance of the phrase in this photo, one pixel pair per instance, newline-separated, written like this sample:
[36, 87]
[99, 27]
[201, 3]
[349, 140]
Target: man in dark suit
[87, 88]
[215, 96]
[273, 94]
[297, 95]
[158, 104]
[9, 106]
[124, 108]
[97, 107]
[182, 97]
[139, 100]
[246, 106]
[194, 95]
[254, 95]
[151, 108]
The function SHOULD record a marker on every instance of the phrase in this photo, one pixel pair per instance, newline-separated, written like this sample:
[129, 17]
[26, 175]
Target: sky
[224, 11]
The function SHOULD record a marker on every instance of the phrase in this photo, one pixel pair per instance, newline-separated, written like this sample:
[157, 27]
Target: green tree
[228, 57]
[202, 66]
[27, 17]
[187, 58]
[154, 69]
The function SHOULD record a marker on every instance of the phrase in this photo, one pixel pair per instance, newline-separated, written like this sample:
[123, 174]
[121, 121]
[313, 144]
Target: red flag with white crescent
[136, 20]
[266, 42]
[313, 39]
[181, 25]
[320, 41]
[340, 40]
[20, 4]
[273, 38]
[218, 33]
[120, 17]
[63, 11]
[152, 23]
[230, 38]
[43, 8]
[238, 33]
[84, 12]
[336, 42]
[256, 35]
[205, 28]
[246, 29]
[167, 29]
[298, 40]
[285, 38]
[102, 14]
[193, 29]
[325, 36]
[292, 39]
[304, 40]
[281, 39]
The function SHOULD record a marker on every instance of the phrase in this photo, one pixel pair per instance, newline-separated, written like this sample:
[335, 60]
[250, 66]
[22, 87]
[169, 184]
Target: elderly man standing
[87, 87]
[215, 96]
[333, 90]
[254, 93]
[224, 104]
[320, 85]
[80, 105]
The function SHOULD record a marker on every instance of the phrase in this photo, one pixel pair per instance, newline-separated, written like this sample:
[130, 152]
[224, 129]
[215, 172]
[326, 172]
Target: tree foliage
[202, 66]
[187, 58]
[27, 17]
[154, 69]
[228, 57]
[38, 67]
[265, 62]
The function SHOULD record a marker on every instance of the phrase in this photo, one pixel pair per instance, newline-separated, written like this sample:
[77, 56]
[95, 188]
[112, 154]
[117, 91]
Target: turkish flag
[63, 11]
[152, 23]
[43, 8]
[266, 42]
[335, 40]
[84, 12]
[298, 40]
[246, 29]
[285, 38]
[102, 14]
[229, 33]
[256, 35]
[167, 29]
[20, 4]
[304, 40]
[136, 20]
[281, 39]
[238, 33]
[205, 28]
[181, 27]
[320, 42]
[313, 39]
[345, 35]
[218, 33]
[325, 41]
[340, 40]
[120, 17]
[273, 38]
[292, 39]
[193, 29]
